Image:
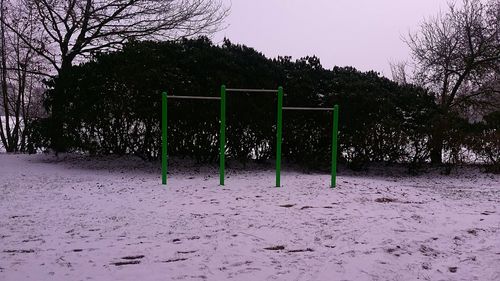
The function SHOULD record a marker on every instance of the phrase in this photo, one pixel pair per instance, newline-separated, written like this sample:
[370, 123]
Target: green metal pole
[335, 145]
[164, 156]
[222, 151]
[279, 136]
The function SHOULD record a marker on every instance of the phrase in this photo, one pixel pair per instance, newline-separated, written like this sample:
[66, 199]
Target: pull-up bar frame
[164, 128]
[222, 135]
[335, 110]
[193, 98]
[252, 90]
[308, 108]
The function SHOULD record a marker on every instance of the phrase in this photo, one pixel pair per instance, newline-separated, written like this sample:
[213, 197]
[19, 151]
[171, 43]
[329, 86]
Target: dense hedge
[113, 106]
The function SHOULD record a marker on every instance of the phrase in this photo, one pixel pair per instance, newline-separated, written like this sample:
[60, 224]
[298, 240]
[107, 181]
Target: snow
[79, 218]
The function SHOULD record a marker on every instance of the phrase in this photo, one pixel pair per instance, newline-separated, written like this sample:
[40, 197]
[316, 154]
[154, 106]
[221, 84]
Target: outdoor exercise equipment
[335, 127]
[164, 127]
[222, 134]
[279, 91]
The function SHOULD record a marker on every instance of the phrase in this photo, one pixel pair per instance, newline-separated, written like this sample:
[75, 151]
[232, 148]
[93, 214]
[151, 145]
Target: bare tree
[456, 55]
[75, 29]
[399, 72]
[20, 74]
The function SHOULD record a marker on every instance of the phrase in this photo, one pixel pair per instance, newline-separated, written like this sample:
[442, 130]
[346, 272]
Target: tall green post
[279, 136]
[164, 156]
[222, 149]
[335, 145]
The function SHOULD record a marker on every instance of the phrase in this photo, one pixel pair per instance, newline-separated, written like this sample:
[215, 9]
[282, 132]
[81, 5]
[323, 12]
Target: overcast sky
[365, 34]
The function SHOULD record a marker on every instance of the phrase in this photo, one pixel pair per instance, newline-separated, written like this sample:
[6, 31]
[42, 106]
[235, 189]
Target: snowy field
[82, 219]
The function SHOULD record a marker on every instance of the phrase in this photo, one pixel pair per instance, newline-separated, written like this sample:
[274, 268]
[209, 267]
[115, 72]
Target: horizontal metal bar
[252, 90]
[193, 98]
[308, 108]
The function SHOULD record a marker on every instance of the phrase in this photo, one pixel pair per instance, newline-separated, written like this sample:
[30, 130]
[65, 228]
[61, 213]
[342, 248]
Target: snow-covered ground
[110, 219]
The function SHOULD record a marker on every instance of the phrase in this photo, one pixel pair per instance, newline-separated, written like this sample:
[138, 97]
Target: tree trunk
[437, 149]
[58, 140]
[437, 140]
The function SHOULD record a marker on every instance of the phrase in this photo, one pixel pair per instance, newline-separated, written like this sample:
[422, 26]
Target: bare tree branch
[20, 72]
[75, 27]
[453, 49]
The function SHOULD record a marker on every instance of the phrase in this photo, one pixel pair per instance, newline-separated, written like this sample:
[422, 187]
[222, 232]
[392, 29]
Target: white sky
[365, 34]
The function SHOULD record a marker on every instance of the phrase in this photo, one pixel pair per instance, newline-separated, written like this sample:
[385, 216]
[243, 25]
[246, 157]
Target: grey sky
[365, 34]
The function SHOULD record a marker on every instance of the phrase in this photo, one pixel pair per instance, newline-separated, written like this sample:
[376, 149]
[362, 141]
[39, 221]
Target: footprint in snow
[385, 200]
[129, 260]
[275, 248]
[121, 263]
[19, 251]
[174, 260]
[186, 252]
[300, 250]
[133, 257]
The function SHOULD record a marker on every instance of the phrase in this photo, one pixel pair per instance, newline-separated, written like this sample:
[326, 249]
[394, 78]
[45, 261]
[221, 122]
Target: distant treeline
[113, 106]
